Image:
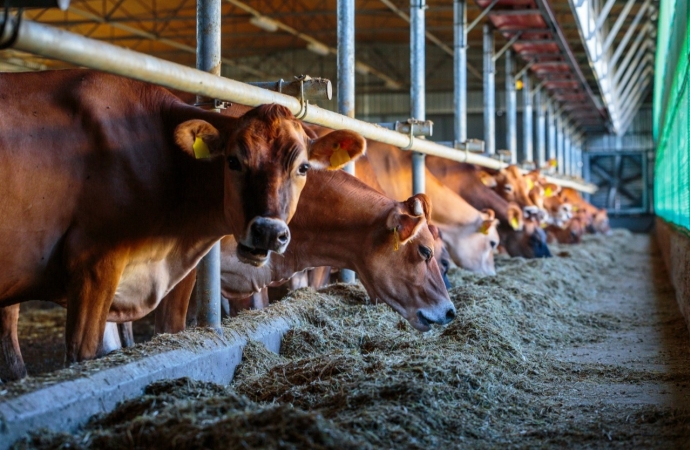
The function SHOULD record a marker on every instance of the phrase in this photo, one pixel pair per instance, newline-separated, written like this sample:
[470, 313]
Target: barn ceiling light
[264, 23]
[318, 48]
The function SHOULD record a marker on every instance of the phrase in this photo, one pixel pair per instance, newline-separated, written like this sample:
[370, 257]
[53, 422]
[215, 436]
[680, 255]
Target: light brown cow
[103, 193]
[388, 243]
[519, 237]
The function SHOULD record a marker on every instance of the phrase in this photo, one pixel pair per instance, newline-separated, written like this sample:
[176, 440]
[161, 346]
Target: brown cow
[470, 235]
[102, 192]
[388, 243]
[519, 236]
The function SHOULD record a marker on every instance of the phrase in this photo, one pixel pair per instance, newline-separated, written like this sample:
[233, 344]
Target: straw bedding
[355, 375]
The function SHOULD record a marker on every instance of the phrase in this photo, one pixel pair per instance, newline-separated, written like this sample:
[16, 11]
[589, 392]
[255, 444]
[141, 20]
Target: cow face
[441, 254]
[267, 156]
[405, 252]
[473, 247]
[513, 186]
[523, 236]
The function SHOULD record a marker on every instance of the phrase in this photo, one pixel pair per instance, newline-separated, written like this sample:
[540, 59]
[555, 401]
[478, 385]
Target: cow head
[523, 236]
[472, 247]
[513, 186]
[267, 156]
[402, 270]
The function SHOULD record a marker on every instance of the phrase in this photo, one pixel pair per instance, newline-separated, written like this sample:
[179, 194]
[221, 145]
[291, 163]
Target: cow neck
[201, 211]
[338, 220]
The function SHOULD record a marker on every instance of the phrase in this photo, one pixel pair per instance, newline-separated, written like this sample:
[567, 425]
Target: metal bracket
[314, 88]
[214, 104]
[418, 127]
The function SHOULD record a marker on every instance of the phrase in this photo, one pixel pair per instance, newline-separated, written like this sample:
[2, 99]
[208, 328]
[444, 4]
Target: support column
[460, 70]
[560, 141]
[527, 131]
[567, 148]
[417, 84]
[346, 81]
[541, 129]
[511, 107]
[551, 130]
[489, 91]
[207, 290]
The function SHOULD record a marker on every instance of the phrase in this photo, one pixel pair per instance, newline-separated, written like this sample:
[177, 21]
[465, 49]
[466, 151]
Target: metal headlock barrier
[55, 43]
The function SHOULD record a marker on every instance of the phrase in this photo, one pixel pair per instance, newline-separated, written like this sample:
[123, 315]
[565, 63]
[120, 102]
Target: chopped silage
[353, 374]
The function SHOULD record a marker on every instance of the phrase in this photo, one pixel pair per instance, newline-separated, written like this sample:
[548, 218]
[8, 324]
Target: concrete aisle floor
[652, 341]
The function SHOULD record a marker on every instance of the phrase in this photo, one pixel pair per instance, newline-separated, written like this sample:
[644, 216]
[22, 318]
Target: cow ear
[404, 226]
[199, 139]
[551, 189]
[515, 218]
[336, 149]
[419, 205]
[487, 180]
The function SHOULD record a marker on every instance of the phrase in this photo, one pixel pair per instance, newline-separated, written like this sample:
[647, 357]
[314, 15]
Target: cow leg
[89, 296]
[126, 333]
[171, 314]
[12, 365]
[111, 339]
[319, 277]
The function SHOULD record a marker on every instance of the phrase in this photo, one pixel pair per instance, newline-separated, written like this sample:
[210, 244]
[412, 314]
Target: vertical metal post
[489, 91]
[541, 129]
[552, 130]
[511, 107]
[208, 59]
[527, 132]
[417, 84]
[559, 143]
[346, 81]
[460, 70]
[567, 147]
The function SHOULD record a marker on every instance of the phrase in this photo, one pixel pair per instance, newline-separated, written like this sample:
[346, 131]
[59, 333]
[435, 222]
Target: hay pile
[356, 375]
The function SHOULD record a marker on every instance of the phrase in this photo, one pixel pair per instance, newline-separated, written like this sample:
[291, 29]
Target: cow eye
[303, 169]
[508, 188]
[234, 163]
[425, 252]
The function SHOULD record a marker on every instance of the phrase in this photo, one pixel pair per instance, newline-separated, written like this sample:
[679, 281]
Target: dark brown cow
[104, 196]
[393, 255]
[519, 236]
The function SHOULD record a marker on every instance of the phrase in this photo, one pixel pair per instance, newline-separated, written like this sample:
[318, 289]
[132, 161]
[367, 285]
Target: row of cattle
[114, 189]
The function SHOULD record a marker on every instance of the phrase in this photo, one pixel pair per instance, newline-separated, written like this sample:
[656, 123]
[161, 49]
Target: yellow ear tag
[575, 208]
[530, 184]
[548, 192]
[201, 150]
[485, 228]
[514, 223]
[396, 239]
[543, 225]
[340, 157]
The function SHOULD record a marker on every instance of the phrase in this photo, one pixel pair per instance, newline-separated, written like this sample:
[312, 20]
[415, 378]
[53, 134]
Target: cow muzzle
[439, 316]
[264, 235]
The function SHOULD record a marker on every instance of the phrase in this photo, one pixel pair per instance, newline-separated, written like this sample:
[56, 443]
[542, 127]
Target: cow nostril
[450, 315]
[283, 238]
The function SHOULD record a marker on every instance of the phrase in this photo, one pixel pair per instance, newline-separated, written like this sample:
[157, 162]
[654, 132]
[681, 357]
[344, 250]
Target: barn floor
[653, 340]
[585, 350]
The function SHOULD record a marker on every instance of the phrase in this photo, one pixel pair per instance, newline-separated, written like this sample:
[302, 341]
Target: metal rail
[75, 49]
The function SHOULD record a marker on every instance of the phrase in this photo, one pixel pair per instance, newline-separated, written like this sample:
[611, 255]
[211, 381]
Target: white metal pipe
[489, 91]
[603, 14]
[560, 144]
[346, 81]
[460, 70]
[527, 126]
[63, 45]
[551, 130]
[208, 59]
[617, 26]
[417, 85]
[628, 34]
[511, 108]
[541, 128]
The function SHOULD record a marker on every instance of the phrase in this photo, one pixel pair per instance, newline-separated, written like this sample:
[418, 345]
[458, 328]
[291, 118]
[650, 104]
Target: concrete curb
[65, 406]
